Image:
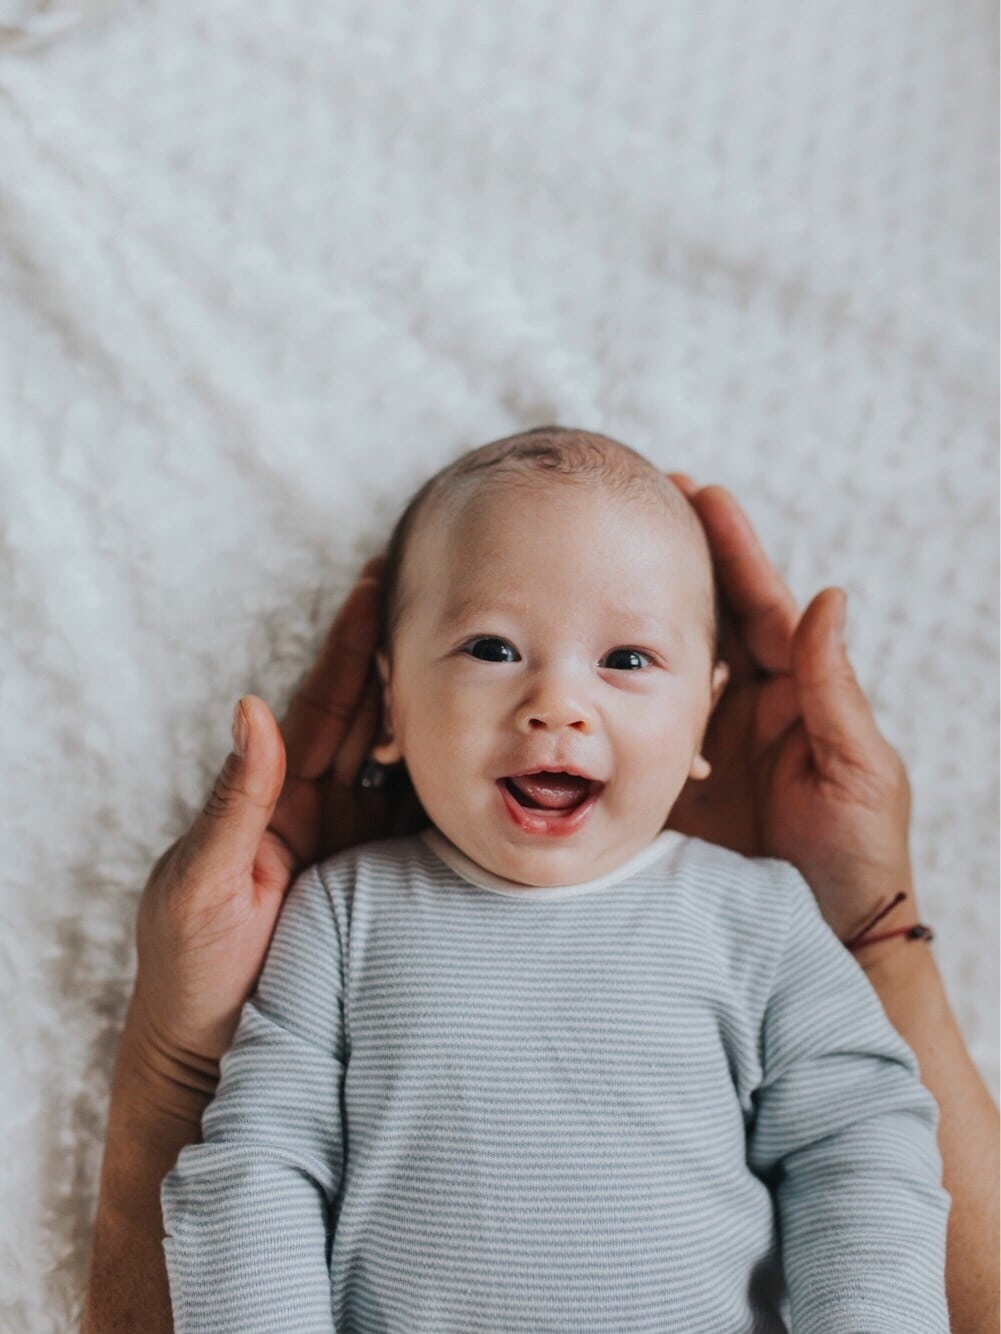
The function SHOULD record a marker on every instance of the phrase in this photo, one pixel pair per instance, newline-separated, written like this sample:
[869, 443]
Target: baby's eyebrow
[469, 607]
[646, 629]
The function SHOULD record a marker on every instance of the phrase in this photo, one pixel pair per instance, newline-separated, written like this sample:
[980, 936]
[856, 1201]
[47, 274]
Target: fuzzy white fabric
[265, 266]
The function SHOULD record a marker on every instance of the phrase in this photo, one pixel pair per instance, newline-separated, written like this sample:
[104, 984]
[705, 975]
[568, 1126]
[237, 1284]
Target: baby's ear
[700, 766]
[721, 675]
[386, 750]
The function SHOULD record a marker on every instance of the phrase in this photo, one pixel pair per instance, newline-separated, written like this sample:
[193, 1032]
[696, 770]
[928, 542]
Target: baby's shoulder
[740, 892]
[384, 862]
[737, 915]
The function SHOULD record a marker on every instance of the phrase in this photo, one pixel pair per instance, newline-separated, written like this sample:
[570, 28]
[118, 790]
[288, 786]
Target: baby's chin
[549, 865]
[546, 860]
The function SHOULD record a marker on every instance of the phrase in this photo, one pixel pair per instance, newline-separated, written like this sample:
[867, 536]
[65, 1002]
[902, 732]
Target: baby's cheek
[439, 768]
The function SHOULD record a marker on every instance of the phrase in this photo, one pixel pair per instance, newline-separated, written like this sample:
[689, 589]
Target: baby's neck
[476, 874]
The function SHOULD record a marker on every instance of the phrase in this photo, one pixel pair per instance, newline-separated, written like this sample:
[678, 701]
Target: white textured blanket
[264, 266]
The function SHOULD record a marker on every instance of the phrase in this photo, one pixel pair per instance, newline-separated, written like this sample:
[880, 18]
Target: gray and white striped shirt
[455, 1104]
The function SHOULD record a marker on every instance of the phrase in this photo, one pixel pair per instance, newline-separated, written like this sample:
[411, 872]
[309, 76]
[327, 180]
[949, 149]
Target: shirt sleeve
[844, 1131]
[246, 1212]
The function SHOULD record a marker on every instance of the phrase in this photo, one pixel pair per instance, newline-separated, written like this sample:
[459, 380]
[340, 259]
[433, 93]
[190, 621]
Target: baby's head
[549, 606]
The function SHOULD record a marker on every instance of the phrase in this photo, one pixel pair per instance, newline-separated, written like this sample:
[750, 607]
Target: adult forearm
[151, 1117]
[907, 980]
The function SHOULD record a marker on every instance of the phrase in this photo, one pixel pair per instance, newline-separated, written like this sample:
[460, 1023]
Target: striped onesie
[666, 1099]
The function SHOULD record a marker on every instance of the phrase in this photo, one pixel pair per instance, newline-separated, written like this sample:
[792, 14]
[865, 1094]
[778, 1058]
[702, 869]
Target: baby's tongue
[552, 791]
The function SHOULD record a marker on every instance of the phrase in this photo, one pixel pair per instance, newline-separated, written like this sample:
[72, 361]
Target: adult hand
[286, 796]
[800, 770]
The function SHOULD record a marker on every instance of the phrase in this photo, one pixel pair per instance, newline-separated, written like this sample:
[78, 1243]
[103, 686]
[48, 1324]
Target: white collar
[475, 874]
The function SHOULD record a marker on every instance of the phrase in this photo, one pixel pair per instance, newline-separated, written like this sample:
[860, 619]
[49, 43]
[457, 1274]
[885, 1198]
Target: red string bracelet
[916, 931]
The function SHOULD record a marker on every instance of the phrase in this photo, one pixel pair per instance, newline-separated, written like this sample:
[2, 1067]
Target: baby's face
[559, 628]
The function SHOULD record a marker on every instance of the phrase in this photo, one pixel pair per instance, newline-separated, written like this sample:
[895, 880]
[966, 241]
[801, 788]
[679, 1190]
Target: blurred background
[264, 267]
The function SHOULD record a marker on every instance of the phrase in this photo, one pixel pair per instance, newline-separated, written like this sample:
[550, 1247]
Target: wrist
[905, 976]
[154, 1111]
[183, 1080]
[159, 1087]
[884, 925]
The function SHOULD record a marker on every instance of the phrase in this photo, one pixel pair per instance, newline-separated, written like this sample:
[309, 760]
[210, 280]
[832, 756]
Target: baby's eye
[489, 649]
[631, 653]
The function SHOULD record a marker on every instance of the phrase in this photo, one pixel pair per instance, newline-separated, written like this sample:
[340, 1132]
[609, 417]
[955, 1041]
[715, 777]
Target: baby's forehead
[454, 533]
[460, 542]
[659, 511]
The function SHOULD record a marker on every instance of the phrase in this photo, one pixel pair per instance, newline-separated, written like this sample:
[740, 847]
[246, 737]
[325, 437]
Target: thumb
[838, 721]
[228, 832]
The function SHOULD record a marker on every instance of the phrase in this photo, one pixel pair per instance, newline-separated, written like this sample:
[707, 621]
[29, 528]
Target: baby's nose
[551, 707]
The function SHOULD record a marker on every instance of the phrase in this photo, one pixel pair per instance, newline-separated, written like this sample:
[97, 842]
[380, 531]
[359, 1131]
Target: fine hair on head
[559, 455]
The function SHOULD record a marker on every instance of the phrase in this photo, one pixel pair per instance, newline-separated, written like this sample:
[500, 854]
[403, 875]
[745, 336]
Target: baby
[547, 1065]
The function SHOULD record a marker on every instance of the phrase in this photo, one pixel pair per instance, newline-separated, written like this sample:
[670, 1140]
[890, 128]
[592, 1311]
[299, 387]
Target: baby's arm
[846, 1133]
[246, 1211]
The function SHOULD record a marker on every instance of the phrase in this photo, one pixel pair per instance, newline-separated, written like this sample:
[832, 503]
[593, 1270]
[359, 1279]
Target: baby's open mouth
[551, 792]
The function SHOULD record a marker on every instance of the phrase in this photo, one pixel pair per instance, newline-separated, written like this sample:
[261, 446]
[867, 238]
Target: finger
[839, 723]
[778, 710]
[732, 648]
[732, 645]
[683, 482]
[373, 567]
[323, 707]
[360, 735]
[226, 835]
[762, 604]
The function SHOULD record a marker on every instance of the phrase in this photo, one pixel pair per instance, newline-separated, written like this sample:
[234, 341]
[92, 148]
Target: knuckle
[163, 863]
[224, 790]
[227, 794]
[872, 779]
[889, 770]
[842, 676]
[185, 874]
[334, 708]
[902, 777]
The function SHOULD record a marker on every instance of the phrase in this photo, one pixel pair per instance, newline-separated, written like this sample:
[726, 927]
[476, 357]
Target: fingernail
[239, 729]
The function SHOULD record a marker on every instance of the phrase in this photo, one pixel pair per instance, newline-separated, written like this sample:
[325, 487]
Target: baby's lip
[548, 823]
[554, 769]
